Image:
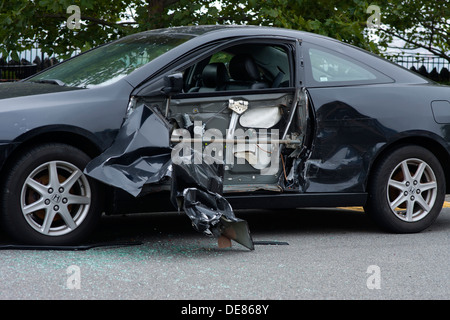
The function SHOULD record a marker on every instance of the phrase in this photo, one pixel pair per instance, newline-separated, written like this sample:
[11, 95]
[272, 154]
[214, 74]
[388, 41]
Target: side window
[330, 68]
[327, 67]
[241, 67]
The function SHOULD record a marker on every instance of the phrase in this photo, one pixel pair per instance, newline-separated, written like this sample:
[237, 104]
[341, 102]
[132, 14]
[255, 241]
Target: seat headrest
[244, 68]
[214, 75]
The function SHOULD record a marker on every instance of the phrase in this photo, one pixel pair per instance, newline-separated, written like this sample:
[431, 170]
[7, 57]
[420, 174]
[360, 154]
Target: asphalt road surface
[320, 254]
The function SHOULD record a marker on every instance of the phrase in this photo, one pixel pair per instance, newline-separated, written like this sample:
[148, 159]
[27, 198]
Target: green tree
[340, 19]
[419, 23]
[344, 20]
[24, 22]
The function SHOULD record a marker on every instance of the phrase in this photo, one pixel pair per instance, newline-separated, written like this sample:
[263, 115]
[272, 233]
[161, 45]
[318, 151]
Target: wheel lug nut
[412, 198]
[405, 193]
[50, 190]
[64, 200]
[407, 183]
[415, 182]
[61, 190]
[417, 191]
[47, 201]
[56, 208]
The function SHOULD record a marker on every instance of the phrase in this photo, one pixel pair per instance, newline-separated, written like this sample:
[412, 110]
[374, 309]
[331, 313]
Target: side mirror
[173, 84]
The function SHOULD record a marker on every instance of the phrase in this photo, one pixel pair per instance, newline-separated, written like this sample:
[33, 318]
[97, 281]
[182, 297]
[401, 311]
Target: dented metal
[144, 154]
[141, 154]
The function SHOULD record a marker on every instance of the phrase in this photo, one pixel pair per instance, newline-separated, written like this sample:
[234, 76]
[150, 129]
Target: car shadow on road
[153, 226]
[263, 224]
[268, 222]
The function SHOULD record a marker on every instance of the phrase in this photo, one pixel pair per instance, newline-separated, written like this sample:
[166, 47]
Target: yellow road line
[361, 209]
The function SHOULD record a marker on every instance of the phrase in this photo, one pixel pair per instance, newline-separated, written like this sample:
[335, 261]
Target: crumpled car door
[141, 154]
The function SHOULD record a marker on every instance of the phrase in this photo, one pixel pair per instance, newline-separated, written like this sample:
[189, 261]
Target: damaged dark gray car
[209, 119]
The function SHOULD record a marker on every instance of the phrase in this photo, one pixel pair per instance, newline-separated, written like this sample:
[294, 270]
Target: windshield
[108, 64]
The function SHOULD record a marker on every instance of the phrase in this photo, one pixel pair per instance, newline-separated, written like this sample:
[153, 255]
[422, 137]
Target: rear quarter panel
[355, 123]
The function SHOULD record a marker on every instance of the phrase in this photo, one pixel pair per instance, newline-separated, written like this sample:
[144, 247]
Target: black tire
[33, 192]
[402, 198]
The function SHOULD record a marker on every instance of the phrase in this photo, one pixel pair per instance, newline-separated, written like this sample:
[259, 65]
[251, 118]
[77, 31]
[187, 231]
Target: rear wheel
[47, 199]
[407, 190]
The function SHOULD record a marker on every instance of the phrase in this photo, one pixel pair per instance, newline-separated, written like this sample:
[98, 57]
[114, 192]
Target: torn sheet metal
[198, 189]
[211, 214]
[141, 155]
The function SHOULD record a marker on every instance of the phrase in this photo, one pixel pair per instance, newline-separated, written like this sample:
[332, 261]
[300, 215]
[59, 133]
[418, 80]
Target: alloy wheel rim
[412, 190]
[55, 198]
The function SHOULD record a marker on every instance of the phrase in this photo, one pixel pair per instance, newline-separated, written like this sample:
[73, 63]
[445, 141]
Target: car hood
[20, 89]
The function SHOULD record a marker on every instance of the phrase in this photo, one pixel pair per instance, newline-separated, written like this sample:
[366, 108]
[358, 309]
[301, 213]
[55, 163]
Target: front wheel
[47, 199]
[406, 190]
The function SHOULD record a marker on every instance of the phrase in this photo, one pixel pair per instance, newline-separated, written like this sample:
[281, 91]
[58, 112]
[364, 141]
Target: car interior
[241, 67]
[218, 82]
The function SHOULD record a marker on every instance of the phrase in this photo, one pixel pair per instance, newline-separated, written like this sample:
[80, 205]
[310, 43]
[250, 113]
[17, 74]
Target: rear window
[330, 68]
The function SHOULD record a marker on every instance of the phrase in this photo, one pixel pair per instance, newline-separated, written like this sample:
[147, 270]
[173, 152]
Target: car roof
[200, 30]
[206, 33]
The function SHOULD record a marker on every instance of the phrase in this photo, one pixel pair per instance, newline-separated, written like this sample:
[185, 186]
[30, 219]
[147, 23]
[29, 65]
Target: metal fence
[435, 68]
[30, 62]
[16, 72]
